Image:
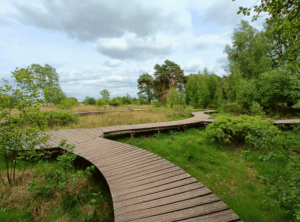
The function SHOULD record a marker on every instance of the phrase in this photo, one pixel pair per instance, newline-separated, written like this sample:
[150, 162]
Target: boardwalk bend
[144, 186]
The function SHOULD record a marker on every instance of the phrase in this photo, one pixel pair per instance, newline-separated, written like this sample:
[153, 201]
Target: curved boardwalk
[144, 186]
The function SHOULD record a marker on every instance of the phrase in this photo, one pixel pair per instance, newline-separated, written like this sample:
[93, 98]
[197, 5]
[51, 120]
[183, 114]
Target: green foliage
[67, 103]
[126, 99]
[101, 102]
[167, 75]
[61, 176]
[201, 89]
[146, 86]
[115, 102]
[245, 94]
[54, 94]
[18, 132]
[244, 129]
[282, 27]
[257, 110]
[143, 100]
[156, 104]
[89, 101]
[105, 94]
[58, 118]
[279, 86]
[42, 77]
[175, 98]
[249, 52]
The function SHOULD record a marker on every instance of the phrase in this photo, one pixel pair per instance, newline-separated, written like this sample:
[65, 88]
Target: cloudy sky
[108, 44]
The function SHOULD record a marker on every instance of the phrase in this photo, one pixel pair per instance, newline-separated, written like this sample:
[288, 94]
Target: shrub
[58, 118]
[244, 129]
[257, 110]
[143, 100]
[115, 102]
[156, 104]
[101, 102]
[61, 176]
[89, 101]
[67, 103]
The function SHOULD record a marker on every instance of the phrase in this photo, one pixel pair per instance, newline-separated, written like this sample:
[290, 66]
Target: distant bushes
[115, 102]
[101, 102]
[59, 118]
[89, 101]
[67, 103]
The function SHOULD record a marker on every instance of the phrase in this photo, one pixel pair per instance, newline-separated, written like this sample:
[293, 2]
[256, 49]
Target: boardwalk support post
[132, 135]
[158, 131]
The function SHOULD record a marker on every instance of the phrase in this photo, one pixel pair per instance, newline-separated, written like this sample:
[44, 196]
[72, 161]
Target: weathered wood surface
[144, 186]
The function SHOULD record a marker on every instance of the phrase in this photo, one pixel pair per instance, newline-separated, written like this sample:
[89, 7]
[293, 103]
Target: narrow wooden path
[144, 186]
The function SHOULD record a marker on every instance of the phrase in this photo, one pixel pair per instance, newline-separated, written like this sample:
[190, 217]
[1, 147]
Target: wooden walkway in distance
[144, 186]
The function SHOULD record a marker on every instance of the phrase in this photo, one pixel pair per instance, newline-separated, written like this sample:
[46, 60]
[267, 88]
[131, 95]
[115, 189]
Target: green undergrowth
[226, 171]
[88, 200]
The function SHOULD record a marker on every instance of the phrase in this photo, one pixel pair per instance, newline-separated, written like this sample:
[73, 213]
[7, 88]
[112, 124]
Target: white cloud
[193, 66]
[112, 63]
[209, 41]
[131, 47]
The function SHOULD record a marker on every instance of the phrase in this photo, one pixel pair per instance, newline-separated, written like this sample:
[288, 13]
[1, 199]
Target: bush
[89, 101]
[257, 110]
[115, 102]
[58, 118]
[156, 104]
[101, 102]
[59, 177]
[67, 103]
[243, 130]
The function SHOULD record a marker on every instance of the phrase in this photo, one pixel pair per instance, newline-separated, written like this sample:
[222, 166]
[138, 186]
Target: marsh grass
[222, 169]
[86, 201]
[126, 118]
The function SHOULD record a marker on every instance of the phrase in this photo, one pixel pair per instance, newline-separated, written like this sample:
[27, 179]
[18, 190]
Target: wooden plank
[120, 193]
[149, 180]
[146, 178]
[159, 195]
[188, 213]
[125, 197]
[178, 206]
[224, 216]
[164, 201]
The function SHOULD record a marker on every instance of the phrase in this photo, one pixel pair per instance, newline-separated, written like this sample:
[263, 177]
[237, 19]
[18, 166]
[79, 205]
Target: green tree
[53, 94]
[278, 87]
[231, 83]
[20, 131]
[167, 75]
[175, 98]
[146, 86]
[284, 25]
[245, 94]
[197, 91]
[105, 94]
[39, 76]
[250, 51]
[89, 100]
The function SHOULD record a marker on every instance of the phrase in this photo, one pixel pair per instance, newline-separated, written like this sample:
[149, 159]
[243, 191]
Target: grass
[220, 168]
[68, 204]
[127, 118]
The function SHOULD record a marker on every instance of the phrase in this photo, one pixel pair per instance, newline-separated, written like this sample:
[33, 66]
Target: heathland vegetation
[250, 164]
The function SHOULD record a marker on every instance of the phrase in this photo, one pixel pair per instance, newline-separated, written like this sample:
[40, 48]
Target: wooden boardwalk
[144, 186]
